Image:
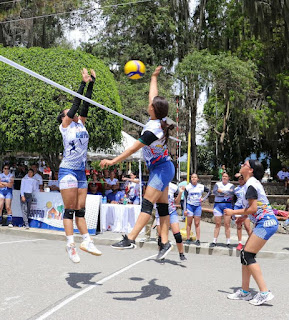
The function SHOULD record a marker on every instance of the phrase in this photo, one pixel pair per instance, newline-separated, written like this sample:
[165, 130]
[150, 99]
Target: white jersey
[227, 192]
[75, 142]
[239, 193]
[263, 206]
[154, 152]
[173, 188]
[38, 179]
[6, 178]
[194, 194]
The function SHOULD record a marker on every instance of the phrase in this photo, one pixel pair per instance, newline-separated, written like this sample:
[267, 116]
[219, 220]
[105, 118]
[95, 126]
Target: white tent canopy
[116, 149]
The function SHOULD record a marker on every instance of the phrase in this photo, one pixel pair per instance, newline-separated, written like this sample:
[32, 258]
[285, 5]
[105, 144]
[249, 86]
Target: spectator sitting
[132, 187]
[282, 176]
[115, 196]
[111, 181]
[53, 184]
[93, 189]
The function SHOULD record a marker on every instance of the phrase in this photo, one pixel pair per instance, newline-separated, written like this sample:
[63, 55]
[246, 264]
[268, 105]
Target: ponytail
[166, 127]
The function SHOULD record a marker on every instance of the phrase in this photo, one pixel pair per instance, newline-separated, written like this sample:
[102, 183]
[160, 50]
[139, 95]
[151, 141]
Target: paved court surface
[39, 282]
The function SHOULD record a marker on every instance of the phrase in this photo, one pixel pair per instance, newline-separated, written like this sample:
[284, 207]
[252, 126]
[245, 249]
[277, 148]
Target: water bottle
[125, 200]
[104, 200]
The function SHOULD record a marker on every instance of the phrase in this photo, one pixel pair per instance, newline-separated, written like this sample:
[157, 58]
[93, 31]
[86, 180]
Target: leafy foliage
[29, 107]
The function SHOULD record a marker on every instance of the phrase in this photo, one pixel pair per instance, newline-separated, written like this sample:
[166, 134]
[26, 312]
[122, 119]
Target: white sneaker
[89, 247]
[260, 298]
[10, 225]
[240, 295]
[72, 253]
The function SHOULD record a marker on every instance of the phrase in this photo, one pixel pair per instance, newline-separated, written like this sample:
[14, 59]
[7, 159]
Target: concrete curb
[151, 245]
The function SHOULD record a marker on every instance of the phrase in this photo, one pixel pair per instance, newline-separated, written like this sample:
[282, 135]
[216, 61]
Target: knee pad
[147, 206]
[178, 237]
[80, 213]
[68, 214]
[247, 258]
[163, 209]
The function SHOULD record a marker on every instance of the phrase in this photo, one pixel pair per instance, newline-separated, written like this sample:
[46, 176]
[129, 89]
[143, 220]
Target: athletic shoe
[27, 227]
[239, 247]
[125, 243]
[188, 242]
[240, 295]
[198, 243]
[10, 225]
[260, 298]
[164, 250]
[182, 257]
[229, 246]
[72, 253]
[212, 245]
[88, 246]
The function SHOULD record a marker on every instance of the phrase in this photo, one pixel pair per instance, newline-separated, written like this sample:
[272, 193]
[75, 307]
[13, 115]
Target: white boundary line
[19, 241]
[89, 288]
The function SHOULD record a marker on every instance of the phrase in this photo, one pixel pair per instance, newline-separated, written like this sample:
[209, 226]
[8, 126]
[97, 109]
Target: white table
[118, 217]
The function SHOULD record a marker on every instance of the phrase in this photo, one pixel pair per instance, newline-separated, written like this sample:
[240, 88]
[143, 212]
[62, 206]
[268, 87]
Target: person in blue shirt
[6, 194]
[115, 196]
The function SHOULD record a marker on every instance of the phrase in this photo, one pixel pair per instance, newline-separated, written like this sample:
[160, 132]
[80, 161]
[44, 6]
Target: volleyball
[134, 69]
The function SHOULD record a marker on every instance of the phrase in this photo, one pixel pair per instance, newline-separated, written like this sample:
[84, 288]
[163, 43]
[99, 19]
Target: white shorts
[68, 182]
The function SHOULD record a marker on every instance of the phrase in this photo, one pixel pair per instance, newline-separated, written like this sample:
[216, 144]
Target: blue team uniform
[6, 193]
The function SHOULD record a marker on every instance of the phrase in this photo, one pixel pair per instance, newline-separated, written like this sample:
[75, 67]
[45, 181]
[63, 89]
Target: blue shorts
[69, 178]
[174, 217]
[220, 207]
[194, 211]
[266, 227]
[161, 175]
[6, 193]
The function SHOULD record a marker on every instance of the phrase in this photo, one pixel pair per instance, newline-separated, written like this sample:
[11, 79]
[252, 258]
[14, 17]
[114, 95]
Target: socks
[215, 240]
[86, 237]
[264, 293]
[244, 291]
[240, 242]
[228, 240]
[70, 240]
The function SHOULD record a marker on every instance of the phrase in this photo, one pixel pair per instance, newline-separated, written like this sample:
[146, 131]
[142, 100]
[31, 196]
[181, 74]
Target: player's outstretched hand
[92, 72]
[85, 76]
[157, 71]
[229, 212]
[106, 163]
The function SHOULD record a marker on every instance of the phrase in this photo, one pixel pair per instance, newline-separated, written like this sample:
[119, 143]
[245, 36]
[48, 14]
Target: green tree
[29, 107]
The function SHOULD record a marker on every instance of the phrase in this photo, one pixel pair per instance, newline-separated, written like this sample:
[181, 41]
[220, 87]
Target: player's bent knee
[80, 213]
[147, 206]
[247, 258]
[68, 214]
[163, 209]
[178, 237]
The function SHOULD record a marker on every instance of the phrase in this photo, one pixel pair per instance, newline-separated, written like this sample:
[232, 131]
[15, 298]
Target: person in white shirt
[109, 182]
[71, 175]
[224, 192]
[37, 177]
[132, 187]
[28, 187]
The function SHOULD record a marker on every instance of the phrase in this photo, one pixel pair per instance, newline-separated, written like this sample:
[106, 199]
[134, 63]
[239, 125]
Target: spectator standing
[28, 186]
[183, 184]
[221, 171]
[6, 195]
[19, 174]
[38, 177]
